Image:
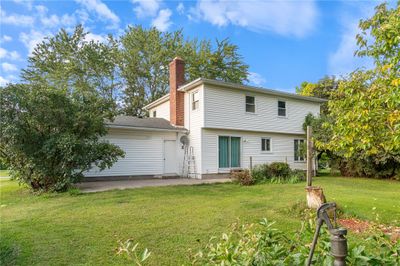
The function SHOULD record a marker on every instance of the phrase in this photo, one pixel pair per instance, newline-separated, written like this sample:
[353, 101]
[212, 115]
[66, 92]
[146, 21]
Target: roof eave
[200, 81]
[159, 101]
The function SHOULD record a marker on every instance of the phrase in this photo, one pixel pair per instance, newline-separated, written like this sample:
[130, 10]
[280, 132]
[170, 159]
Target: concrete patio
[97, 186]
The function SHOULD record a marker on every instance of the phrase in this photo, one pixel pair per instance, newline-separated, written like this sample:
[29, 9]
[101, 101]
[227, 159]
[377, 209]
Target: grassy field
[81, 229]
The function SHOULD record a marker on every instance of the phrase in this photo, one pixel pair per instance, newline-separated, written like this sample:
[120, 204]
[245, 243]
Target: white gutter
[257, 131]
[148, 128]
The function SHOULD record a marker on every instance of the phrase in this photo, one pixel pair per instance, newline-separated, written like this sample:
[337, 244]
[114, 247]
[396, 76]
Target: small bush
[299, 174]
[261, 172]
[279, 169]
[243, 177]
[277, 173]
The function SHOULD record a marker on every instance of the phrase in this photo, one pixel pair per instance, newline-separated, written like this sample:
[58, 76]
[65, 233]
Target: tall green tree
[71, 63]
[52, 124]
[322, 89]
[366, 105]
[146, 53]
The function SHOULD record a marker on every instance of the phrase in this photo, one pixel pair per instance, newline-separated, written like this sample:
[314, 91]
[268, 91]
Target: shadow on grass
[8, 254]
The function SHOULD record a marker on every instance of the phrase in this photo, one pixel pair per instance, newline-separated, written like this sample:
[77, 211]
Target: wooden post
[309, 156]
[315, 195]
[251, 164]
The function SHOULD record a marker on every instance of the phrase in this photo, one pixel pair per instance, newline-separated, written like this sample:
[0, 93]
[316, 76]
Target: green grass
[81, 229]
[3, 173]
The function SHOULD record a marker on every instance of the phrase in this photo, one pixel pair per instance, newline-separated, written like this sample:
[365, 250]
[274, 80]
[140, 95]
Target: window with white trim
[281, 108]
[299, 150]
[154, 113]
[195, 100]
[265, 144]
[250, 104]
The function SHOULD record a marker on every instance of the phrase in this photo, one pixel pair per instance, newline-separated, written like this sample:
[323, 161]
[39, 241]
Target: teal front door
[228, 151]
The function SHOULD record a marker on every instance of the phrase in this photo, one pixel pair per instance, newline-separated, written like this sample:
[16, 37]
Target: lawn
[84, 229]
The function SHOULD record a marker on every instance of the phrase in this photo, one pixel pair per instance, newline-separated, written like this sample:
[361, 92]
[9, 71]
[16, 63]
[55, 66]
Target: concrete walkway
[96, 186]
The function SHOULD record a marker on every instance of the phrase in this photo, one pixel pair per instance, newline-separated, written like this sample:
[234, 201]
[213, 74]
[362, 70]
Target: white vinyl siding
[162, 110]
[144, 153]
[194, 121]
[224, 110]
[281, 149]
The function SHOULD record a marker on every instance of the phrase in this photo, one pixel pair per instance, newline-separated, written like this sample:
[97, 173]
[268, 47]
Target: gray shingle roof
[136, 122]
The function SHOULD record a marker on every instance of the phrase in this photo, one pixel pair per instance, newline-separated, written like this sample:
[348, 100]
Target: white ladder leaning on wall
[189, 163]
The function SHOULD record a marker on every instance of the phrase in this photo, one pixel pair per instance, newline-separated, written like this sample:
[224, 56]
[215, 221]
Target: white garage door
[143, 154]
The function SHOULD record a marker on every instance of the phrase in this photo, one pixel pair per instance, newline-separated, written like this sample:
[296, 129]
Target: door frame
[164, 157]
[227, 169]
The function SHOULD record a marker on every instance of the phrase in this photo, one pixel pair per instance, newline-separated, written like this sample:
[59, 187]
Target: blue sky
[284, 42]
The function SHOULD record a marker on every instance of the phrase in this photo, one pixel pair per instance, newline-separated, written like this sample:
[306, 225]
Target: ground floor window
[265, 144]
[299, 150]
[229, 151]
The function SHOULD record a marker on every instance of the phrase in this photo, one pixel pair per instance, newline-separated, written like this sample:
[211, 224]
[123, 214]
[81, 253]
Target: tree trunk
[315, 197]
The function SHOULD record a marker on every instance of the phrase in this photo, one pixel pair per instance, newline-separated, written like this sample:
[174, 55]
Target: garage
[150, 146]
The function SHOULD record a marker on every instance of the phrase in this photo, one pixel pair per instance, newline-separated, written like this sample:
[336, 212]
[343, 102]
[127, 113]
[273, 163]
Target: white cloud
[31, 39]
[3, 52]
[5, 38]
[54, 21]
[13, 55]
[180, 8]
[101, 10]
[162, 22]
[256, 79]
[3, 81]
[289, 18]
[50, 21]
[146, 8]
[26, 3]
[343, 61]
[7, 67]
[16, 19]
[95, 37]
[68, 20]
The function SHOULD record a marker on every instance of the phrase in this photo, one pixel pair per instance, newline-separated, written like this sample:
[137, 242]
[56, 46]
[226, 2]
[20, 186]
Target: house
[208, 127]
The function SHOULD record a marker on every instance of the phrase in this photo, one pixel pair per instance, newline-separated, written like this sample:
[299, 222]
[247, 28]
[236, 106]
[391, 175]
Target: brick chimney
[176, 98]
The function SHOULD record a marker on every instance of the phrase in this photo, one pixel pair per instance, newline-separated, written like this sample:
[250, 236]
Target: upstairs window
[281, 108]
[299, 150]
[265, 144]
[154, 113]
[250, 104]
[195, 100]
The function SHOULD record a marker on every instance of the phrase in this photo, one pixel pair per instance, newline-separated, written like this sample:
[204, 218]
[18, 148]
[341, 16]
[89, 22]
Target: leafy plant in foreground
[129, 249]
[262, 244]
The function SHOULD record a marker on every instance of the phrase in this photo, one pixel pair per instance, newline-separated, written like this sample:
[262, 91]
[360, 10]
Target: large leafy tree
[71, 63]
[51, 126]
[360, 125]
[322, 89]
[146, 53]
[366, 106]
[48, 139]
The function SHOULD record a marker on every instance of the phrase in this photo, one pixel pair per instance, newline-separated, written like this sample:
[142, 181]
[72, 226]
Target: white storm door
[169, 157]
